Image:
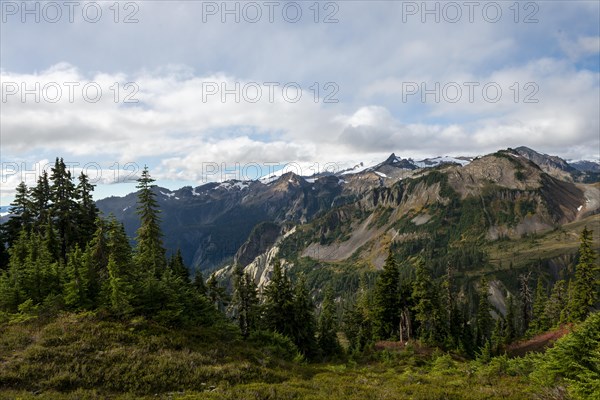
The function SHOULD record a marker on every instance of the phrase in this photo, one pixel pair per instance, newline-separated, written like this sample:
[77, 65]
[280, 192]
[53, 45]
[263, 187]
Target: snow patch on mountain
[229, 185]
[435, 161]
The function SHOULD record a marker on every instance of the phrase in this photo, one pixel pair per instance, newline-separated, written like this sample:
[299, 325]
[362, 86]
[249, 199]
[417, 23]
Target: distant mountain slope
[210, 222]
[583, 171]
[586, 166]
[359, 212]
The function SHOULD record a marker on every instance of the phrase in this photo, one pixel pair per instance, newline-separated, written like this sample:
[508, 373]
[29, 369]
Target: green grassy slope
[82, 356]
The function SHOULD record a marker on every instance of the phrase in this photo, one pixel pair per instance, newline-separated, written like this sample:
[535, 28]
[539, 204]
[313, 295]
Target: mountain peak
[392, 159]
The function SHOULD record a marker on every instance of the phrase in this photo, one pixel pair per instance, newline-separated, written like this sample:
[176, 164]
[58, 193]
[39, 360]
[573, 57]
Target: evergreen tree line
[288, 309]
[55, 202]
[62, 256]
[404, 306]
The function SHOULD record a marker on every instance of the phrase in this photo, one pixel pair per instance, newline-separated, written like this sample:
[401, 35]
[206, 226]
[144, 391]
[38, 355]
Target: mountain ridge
[212, 221]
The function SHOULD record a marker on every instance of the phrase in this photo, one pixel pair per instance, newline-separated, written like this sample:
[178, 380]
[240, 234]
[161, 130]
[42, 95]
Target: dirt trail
[537, 343]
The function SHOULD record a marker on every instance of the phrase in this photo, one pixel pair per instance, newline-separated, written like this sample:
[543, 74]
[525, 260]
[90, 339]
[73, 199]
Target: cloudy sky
[203, 91]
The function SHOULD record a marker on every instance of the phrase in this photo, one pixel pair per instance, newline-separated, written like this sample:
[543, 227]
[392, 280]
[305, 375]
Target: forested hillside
[84, 313]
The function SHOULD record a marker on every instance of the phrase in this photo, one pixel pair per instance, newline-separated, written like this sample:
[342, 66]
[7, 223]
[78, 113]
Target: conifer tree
[96, 258]
[565, 315]
[387, 300]
[452, 319]
[150, 253]
[304, 324]
[87, 213]
[119, 268]
[245, 301]
[217, 293]
[12, 291]
[526, 300]
[21, 215]
[178, 267]
[510, 320]
[198, 283]
[586, 286]
[40, 200]
[76, 291]
[51, 241]
[539, 322]
[327, 330]
[556, 303]
[278, 307]
[119, 290]
[171, 292]
[484, 319]
[64, 207]
[497, 338]
[426, 307]
[3, 250]
[467, 338]
[40, 277]
[358, 320]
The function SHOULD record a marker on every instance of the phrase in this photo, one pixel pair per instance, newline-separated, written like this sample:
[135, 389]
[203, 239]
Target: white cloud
[582, 46]
[369, 54]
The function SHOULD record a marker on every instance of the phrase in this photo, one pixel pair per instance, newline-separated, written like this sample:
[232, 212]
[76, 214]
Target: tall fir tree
[217, 294]
[20, 278]
[21, 214]
[539, 322]
[526, 302]
[76, 291]
[452, 318]
[120, 274]
[557, 302]
[510, 331]
[96, 258]
[586, 286]
[40, 272]
[150, 253]
[484, 318]
[358, 319]
[119, 291]
[87, 213]
[387, 299]
[327, 329]
[278, 306]
[497, 338]
[245, 301]
[171, 295]
[64, 209]
[3, 250]
[303, 319]
[51, 240]
[40, 200]
[426, 305]
[178, 267]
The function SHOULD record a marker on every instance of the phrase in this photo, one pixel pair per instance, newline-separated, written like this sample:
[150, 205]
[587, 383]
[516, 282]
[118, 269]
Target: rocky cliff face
[262, 237]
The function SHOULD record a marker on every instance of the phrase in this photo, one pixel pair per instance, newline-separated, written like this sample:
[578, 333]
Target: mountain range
[355, 214]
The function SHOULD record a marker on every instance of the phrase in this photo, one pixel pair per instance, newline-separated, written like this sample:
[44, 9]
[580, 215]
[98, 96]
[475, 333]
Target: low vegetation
[87, 356]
